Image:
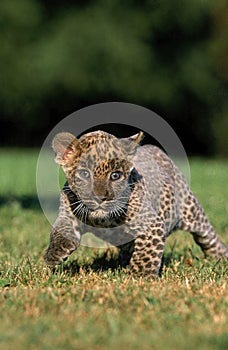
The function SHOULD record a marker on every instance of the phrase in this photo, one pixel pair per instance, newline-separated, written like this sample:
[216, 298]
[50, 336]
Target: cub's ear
[137, 138]
[131, 143]
[65, 146]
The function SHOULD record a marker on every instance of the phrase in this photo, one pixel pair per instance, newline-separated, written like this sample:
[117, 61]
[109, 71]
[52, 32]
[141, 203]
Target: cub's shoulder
[152, 153]
[152, 162]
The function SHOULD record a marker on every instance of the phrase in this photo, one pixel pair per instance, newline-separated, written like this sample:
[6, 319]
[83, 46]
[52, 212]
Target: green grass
[82, 307]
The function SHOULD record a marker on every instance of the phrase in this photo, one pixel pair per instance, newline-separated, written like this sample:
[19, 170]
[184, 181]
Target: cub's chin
[99, 218]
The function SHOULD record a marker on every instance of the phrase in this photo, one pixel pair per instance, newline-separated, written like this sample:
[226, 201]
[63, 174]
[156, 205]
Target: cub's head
[98, 168]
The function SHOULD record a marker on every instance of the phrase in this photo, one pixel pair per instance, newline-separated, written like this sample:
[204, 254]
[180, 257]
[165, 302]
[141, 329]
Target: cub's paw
[57, 254]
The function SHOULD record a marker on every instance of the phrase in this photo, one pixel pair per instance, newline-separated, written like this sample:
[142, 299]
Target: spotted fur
[129, 195]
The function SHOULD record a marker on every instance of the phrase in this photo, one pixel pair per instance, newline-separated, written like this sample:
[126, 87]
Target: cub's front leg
[65, 235]
[148, 252]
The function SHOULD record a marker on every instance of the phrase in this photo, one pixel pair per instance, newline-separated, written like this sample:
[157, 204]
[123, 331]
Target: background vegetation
[170, 56]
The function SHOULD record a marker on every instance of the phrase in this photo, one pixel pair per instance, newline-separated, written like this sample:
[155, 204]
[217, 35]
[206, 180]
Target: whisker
[74, 203]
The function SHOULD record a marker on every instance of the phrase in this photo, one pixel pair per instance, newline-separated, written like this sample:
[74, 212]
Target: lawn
[80, 305]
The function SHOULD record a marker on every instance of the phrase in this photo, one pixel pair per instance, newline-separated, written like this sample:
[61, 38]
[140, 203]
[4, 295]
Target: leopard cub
[129, 195]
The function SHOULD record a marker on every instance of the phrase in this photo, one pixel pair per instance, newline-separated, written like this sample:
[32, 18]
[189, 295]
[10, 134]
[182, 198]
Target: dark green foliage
[166, 55]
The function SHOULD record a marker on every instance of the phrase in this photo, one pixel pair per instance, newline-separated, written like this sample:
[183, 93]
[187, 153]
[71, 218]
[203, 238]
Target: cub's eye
[84, 173]
[116, 175]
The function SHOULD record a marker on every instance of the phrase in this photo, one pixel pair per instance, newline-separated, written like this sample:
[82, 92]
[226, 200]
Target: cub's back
[161, 175]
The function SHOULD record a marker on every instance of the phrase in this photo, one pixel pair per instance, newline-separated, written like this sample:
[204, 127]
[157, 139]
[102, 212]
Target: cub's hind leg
[193, 219]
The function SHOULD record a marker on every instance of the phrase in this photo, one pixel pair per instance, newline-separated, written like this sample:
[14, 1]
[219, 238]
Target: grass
[80, 306]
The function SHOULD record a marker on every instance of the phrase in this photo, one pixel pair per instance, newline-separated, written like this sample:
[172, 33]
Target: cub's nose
[99, 200]
[101, 197]
[101, 192]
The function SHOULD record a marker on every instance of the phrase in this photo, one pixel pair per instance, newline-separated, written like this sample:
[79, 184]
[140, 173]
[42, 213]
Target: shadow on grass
[105, 263]
[25, 202]
[101, 263]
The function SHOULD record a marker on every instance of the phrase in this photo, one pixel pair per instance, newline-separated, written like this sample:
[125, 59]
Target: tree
[159, 54]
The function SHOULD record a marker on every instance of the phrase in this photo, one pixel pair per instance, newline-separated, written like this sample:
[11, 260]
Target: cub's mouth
[99, 213]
